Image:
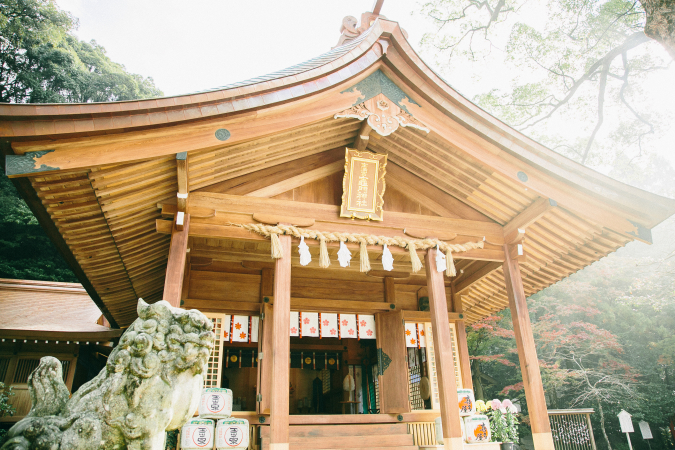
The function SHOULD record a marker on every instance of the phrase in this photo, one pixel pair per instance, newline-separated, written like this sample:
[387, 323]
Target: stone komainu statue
[152, 383]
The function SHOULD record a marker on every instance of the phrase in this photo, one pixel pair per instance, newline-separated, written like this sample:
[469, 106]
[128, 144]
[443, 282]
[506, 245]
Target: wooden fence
[571, 429]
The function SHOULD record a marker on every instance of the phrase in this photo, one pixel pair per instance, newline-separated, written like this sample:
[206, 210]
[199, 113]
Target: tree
[41, 62]
[575, 58]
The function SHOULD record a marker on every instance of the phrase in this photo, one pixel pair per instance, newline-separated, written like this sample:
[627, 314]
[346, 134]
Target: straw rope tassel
[277, 252]
[363, 254]
[414, 259]
[324, 259]
[450, 271]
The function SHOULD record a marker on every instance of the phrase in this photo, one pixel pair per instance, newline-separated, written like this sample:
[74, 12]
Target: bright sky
[203, 44]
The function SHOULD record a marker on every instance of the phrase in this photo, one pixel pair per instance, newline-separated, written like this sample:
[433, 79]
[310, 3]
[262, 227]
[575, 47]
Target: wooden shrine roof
[96, 173]
[41, 309]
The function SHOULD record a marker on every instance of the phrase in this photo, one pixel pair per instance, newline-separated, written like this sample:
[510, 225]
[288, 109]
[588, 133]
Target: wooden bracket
[183, 181]
[515, 237]
[363, 136]
[274, 219]
[421, 233]
[530, 215]
[517, 252]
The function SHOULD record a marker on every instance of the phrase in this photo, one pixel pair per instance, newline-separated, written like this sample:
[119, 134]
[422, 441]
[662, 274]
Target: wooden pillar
[175, 268]
[282, 348]
[462, 347]
[445, 369]
[266, 344]
[527, 354]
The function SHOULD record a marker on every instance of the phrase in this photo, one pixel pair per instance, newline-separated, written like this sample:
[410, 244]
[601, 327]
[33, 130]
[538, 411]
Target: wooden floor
[339, 437]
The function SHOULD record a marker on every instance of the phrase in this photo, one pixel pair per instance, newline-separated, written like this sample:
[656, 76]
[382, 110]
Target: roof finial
[349, 30]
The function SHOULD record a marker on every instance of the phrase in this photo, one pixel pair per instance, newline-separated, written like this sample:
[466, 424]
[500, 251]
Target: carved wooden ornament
[384, 116]
[363, 185]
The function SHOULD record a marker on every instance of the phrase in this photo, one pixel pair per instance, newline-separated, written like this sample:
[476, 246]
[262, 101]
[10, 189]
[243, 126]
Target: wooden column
[282, 348]
[527, 353]
[445, 370]
[175, 268]
[265, 366]
[462, 347]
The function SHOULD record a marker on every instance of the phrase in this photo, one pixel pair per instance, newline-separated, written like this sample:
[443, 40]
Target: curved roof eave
[53, 121]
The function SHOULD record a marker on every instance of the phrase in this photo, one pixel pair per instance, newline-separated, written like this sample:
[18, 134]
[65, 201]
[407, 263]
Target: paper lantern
[197, 434]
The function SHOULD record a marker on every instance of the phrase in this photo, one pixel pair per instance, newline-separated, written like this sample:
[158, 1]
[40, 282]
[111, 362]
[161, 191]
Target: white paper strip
[344, 255]
[255, 325]
[387, 259]
[295, 331]
[441, 264]
[347, 326]
[240, 328]
[410, 334]
[421, 336]
[329, 325]
[366, 326]
[303, 249]
[310, 324]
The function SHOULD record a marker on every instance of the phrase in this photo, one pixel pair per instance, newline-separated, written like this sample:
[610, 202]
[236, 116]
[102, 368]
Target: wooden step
[342, 430]
[383, 436]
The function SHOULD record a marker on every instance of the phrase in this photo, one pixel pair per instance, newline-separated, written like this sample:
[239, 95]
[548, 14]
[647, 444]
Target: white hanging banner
[295, 331]
[310, 324]
[225, 327]
[347, 326]
[240, 328]
[420, 335]
[329, 325]
[366, 326]
[410, 334]
[255, 325]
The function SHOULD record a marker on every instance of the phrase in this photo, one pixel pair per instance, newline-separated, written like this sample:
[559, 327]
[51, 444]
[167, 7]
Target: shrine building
[348, 215]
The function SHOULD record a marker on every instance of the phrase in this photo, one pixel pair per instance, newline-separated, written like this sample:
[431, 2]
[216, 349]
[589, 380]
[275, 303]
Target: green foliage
[40, 62]
[576, 67]
[25, 250]
[605, 339]
[5, 408]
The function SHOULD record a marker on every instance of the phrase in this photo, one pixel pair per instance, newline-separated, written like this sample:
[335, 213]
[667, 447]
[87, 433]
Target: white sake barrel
[197, 434]
[216, 403]
[232, 434]
[476, 429]
[467, 403]
[439, 430]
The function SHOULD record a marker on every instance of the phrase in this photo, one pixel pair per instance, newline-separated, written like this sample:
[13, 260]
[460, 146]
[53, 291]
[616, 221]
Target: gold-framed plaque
[363, 185]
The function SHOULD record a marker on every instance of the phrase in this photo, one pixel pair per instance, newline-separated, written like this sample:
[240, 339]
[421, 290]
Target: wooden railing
[424, 433]
[572, 429]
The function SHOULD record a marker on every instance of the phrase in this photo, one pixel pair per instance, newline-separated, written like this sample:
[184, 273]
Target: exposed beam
[429, 196]
[223, 203]
[183, 181]
[175, 269]
[467, 279]
[217, 231]
[362, 137]
[299, 180]
[531, 214]
[377, 6]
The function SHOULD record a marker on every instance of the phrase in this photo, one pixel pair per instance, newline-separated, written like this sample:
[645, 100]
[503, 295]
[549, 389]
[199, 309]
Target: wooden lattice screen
[572, 429]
